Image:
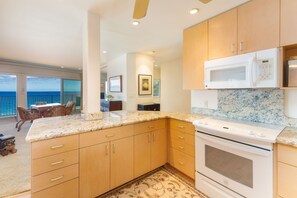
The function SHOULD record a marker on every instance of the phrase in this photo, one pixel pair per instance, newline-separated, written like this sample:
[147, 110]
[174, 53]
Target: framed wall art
[115, 83]
[144, 84]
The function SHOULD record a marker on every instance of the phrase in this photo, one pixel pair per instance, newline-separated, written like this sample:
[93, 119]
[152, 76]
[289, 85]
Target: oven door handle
[234, 146]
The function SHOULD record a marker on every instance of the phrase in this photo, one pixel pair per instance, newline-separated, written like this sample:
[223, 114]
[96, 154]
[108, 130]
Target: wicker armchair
[25, 115]
[59, 110]
[70, 107]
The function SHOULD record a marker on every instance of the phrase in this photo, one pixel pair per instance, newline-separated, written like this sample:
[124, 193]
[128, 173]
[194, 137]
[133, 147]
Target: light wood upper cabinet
[258, 25]
[94, 170]
[288, 22]
[195, 52]
[222, 32]
[121, 161]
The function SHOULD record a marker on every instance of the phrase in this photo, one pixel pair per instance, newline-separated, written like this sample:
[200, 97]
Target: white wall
[116, 67]
[291, 103]
[137, 64]
[204, 99]
[173, 97]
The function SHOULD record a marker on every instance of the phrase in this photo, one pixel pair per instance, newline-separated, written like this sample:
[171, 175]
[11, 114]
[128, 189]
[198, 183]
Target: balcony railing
[8, 101]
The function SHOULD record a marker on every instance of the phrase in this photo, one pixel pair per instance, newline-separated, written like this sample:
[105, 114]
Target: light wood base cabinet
[55, 169]
[150, 147]
[105, 166]
[94, 170]
[182, 147]
[287, 171]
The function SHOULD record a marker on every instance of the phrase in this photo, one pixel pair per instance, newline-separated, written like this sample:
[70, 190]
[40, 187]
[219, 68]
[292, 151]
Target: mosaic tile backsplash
[256, 105]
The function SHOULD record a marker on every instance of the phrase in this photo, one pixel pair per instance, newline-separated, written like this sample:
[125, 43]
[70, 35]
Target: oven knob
[261, 135]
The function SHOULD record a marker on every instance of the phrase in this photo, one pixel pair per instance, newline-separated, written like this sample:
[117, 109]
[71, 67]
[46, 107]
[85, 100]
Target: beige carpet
[15, 168]
[161, 184]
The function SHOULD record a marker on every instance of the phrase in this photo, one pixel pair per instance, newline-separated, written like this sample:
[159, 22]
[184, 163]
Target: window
[156, 86]
[7, 95]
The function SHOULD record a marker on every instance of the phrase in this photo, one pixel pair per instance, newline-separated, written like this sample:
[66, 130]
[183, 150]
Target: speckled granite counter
[47, 128]
[288, 137]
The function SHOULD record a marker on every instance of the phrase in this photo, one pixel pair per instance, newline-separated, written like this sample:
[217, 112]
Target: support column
[91, 67]
[22, 90]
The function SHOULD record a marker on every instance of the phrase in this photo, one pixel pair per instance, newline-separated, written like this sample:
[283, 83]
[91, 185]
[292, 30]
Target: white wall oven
[234, 160]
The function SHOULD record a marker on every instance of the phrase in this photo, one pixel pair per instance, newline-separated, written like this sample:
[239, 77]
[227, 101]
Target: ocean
[8, 102]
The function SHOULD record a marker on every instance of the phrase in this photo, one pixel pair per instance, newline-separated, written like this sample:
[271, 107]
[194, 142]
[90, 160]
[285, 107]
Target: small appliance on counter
[290, 74]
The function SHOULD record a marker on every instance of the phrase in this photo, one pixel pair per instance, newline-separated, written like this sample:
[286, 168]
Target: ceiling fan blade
[205, 1]
[140, 8]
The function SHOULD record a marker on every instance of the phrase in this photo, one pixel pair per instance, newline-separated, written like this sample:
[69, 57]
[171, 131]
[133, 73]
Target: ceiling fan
[141, 6]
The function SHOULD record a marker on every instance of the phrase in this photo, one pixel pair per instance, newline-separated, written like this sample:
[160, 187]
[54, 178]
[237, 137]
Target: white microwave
[252, 70]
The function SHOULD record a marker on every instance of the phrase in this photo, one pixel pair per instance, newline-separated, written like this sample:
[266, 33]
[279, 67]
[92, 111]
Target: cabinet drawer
[53, 146]
[182, 137]
[183, 147]
[52, 178]
[182, 162]
[182, 126]
[287, 179]
[67, 189]
[287, 154]
[105, 135]
[149, 126]
[53, 162]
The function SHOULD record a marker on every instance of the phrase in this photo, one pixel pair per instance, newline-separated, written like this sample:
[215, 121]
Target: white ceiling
[50, 31]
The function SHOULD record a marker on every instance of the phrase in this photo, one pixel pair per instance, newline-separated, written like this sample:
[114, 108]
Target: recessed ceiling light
[104, 52]
[194, 11]
[135, 23]
[156, 65]
[62, 67]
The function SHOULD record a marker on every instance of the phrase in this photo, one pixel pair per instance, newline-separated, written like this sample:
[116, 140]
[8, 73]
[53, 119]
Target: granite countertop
[47, 128]
[288, 137]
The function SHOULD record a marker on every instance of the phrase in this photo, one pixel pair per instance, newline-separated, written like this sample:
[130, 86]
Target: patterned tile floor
[160, 184]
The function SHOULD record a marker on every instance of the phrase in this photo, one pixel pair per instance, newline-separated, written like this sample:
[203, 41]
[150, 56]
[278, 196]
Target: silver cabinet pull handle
[106, 150]
[58, 146]
[181, 137]
[150, 127]
[109, 136]
[241, 46]
[181, 147]
[57, 178]
[56, 163]
[181, 163]
[181, 127]
[232, 47]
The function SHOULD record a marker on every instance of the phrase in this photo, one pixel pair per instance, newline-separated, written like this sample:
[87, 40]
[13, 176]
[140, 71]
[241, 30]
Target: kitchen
[241, 117]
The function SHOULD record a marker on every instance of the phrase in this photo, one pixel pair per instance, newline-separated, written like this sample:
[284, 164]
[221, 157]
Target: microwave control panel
[264, 70]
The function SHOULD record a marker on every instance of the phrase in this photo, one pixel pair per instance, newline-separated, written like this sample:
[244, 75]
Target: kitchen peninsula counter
[288, 137]
[54, 127]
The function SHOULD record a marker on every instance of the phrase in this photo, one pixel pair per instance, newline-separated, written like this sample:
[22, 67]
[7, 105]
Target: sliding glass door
[43, 90]
[71, 91]
[8, 85]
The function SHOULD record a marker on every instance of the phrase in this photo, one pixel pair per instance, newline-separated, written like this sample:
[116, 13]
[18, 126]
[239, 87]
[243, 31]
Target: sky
[8, 83]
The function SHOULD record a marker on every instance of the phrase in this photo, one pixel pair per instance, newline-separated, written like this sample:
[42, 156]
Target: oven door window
[235, 167]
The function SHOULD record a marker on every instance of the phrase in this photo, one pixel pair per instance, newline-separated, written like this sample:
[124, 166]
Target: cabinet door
[195, 52]
[94, 170]
[258, 25]
[142, 153]
[288, 22]
[223, 35]
[121, 161]
[158, 148]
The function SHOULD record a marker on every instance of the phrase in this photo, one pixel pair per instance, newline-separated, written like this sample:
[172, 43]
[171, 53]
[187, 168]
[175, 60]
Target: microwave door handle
[252, 65]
